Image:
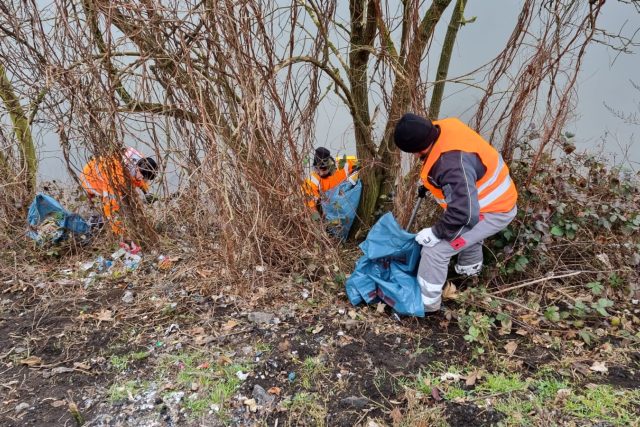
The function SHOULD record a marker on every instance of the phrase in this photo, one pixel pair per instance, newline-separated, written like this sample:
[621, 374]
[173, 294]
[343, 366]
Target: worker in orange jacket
[325, 176]
[469, 179]
[105, 179]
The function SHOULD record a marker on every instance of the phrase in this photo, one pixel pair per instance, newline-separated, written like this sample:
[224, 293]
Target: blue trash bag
[387, 270]
[339, 206]
[44, 207]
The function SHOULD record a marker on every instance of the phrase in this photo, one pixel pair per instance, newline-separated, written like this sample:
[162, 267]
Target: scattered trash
[292, 376]
[127, 298]
[22, 407]
[261, 268]
[242, 376]
[49, 222]
[165, 263]
[261, 396]
[171, 329]
[131, 261]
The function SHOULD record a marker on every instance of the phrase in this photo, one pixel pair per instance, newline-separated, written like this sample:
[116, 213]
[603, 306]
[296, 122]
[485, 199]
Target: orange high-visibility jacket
[105, 178]
[496, 190]
[315, 185]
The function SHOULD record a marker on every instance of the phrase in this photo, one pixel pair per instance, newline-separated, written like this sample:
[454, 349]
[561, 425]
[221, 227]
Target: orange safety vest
[496, 190]
[315, 185]
[104, 177]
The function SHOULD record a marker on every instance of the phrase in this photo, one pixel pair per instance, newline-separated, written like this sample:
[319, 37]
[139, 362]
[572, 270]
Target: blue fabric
[44, 206]
[387, 270]
[339, 206]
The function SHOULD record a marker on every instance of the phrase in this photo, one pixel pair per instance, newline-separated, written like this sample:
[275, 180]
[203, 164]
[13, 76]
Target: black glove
[422, 191]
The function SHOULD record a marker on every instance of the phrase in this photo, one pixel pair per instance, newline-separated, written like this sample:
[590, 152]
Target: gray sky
[604, 79]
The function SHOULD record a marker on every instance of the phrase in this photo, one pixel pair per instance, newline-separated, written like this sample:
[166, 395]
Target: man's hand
[426, 238]
[422, 191]
[150, 198]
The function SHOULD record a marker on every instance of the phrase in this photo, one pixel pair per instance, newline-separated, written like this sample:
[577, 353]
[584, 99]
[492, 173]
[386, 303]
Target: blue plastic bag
[43, 207]
[339, 206]
[387, 270]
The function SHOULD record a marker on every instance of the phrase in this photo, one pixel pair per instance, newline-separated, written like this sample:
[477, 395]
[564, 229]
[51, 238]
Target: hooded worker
[104, 178]
[325, 176]
[471, 182]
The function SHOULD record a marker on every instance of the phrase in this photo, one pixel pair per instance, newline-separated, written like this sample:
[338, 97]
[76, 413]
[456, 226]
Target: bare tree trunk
[363, 31]
[457, 18]
[29, 161]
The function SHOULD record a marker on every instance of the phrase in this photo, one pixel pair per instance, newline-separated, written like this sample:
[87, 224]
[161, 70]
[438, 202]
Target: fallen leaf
[31, 361]
[563, 393]
[396, 416]
[251, 404]
[284, 346]
[435, 393]
[224, 360]
[581, 367]
[58, 403]
[380, 307]
[317, 329]
[511, 347]
[79, 365]
[104, 316]
[472, 378]
[274, 390]
[196, 331]
[599, 367]
[229, 325]
[352, 314]
[449, 291]
[604, 258]
[205, 365]
[522, 332]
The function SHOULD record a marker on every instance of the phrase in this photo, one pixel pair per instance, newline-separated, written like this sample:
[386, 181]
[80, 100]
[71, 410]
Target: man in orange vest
[469, 179]
[104, 178]
[325, 176]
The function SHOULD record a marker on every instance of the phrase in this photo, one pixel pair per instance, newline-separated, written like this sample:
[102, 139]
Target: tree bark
[22, 130]
[445, 58]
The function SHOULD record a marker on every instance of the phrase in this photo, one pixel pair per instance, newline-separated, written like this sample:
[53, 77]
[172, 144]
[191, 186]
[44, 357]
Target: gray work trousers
[434, 261]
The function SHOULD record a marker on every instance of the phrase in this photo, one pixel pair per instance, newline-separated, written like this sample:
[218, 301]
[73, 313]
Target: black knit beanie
[322, 157]
[414, 133]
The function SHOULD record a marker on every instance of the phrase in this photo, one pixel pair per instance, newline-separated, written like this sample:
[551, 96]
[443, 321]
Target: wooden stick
[533, 282]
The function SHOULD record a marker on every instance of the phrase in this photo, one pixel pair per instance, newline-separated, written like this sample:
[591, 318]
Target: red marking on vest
[458, 243]
[481, 217]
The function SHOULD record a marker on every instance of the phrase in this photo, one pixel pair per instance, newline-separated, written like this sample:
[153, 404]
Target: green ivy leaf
[556, 231]
[595, 287]
[586, 336]
[601, 305]
[552, 314]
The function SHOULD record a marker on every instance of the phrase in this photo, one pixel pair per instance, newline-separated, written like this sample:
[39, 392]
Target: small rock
[261, 396]
[260, 317]
[355, 402]
[251, 404]
[127, 298]
[22, 407]
[350, 324]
